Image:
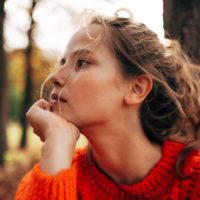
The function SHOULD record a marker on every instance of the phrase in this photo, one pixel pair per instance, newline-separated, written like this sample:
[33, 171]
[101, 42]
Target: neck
[124, 154]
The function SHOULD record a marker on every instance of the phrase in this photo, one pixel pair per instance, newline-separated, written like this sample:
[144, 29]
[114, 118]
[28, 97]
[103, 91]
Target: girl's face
[88, 86]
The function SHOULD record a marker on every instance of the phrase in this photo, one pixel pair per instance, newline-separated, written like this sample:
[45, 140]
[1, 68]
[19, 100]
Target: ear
[138, 90]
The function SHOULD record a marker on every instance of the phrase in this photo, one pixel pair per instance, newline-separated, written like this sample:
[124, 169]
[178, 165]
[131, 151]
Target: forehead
[89, 38]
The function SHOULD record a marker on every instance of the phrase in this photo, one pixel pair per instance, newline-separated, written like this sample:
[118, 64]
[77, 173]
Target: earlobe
[139, 88]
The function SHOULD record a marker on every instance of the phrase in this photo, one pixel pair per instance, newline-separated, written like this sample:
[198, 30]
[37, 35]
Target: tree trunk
[27, 100]
[181, 22]
[3, 88]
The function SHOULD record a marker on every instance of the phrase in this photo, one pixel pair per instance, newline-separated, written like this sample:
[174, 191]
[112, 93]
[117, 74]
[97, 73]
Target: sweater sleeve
[37, 185]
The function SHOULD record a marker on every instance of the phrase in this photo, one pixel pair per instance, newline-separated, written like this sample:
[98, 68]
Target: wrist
[57, 154]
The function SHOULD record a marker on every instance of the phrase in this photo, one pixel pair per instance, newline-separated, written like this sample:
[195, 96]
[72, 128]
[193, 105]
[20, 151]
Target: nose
[59, 77]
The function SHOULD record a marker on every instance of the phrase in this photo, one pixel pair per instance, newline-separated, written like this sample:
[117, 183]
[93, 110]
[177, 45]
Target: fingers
[41, 103]
[45, 123]
[36, 116]
[45, 105]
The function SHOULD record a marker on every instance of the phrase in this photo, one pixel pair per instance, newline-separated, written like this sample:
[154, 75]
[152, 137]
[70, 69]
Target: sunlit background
[58, 19]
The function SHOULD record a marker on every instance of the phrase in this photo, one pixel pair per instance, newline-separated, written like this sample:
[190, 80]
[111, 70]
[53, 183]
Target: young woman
[138, 104]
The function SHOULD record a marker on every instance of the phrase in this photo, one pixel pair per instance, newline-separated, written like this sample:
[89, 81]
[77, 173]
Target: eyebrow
[75, 53]
[80, 52]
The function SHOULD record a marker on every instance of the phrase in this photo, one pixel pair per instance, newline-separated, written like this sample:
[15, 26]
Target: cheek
[97, 94]
[91, 99]
[95, 88]
[86, 94]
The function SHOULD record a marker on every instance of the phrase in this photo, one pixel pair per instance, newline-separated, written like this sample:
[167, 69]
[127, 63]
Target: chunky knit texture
[86, 182]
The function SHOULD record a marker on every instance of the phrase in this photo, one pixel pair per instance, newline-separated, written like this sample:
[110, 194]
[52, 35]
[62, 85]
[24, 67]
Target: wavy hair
[172, 108]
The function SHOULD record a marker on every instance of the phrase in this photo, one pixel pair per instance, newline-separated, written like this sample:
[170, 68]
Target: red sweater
[85, 181]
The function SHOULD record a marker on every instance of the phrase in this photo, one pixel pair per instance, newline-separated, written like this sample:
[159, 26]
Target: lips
[55, 99]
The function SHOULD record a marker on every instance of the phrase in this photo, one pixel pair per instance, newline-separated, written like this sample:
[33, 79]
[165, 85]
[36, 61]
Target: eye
[81, 63]
[62, 61]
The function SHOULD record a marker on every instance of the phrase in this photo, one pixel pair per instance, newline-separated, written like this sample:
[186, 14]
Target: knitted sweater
[85, 181]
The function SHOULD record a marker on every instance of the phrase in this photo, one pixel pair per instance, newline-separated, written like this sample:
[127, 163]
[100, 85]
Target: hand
[59, 137]
[44, 122]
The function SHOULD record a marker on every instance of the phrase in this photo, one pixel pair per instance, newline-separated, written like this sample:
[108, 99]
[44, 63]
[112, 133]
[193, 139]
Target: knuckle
[28, 114]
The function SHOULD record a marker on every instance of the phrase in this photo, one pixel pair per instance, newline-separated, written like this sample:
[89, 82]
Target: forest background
[33, 35]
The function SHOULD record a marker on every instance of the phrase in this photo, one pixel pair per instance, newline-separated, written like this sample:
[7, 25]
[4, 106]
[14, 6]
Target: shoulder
[191, 184]
[192, 164]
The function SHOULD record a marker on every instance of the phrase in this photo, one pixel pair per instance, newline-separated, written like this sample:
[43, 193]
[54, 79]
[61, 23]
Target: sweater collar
[156, 182]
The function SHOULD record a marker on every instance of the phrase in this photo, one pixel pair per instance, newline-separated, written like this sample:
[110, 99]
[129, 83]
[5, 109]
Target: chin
[57, 112]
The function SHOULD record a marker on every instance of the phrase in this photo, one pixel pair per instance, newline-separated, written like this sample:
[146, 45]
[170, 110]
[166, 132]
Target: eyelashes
[82, 62]
[62, 61]
[78, 63]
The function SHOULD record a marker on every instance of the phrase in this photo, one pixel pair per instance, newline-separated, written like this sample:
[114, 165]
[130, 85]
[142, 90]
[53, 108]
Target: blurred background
[33, 35]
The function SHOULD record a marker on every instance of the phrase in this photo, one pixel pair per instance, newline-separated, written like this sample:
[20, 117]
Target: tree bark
[3, 88]
[27, 100]
[181, 22]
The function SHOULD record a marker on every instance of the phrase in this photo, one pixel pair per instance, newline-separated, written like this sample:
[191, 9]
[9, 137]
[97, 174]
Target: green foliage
[16, 77]
[15, 96]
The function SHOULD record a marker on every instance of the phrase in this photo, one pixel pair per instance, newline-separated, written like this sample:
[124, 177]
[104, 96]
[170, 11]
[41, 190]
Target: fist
[46, 123]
